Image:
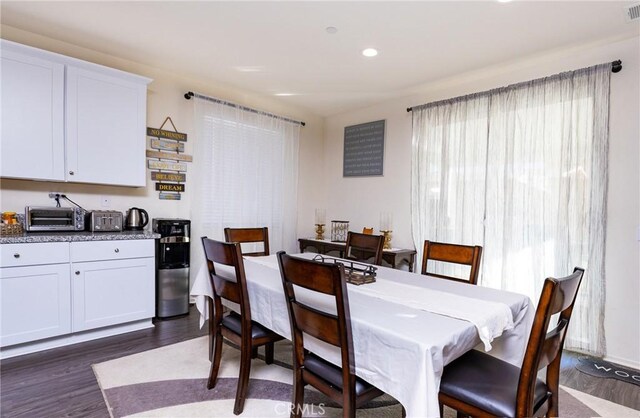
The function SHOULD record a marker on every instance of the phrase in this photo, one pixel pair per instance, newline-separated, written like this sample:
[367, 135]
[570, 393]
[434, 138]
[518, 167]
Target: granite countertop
[30, 237]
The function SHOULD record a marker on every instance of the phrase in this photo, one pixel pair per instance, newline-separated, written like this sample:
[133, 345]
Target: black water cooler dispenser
[172, 266]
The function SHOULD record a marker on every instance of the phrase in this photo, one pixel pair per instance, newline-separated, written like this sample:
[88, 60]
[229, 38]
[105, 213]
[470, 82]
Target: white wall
[165, 98]
[360, 200]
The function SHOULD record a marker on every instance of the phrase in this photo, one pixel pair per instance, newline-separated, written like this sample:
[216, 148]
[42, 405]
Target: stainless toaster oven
[45, 218]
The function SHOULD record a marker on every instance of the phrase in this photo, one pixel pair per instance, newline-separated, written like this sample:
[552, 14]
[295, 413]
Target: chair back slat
[566, 293]
[363, 247]
[249, 236]
[308, 276]
[453, 253]
[552, 344]
[225, 287]
[320, 325]
[460, 254]
[544, 348]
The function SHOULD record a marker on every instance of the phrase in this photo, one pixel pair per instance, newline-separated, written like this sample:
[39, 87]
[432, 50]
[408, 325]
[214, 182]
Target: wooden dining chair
[455, 254]
[363, 247]
[249, 235]
[237, 328]
[338, 383]
[479, 384]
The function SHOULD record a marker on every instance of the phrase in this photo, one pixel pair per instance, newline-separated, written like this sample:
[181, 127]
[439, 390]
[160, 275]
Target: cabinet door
[35, 303]
[112, 292]
[106, 118]
[32, 117]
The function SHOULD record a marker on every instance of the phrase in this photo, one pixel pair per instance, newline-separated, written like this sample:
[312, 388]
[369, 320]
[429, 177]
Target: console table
[395, 257]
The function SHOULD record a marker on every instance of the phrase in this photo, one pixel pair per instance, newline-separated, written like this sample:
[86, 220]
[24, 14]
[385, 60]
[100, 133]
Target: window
[522, 171]
[246, 173]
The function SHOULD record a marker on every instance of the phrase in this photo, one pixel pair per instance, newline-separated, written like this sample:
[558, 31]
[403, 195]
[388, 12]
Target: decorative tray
[354, 272]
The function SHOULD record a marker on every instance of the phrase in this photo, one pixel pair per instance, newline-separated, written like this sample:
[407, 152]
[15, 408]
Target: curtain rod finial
[616, 66]
[188, 95]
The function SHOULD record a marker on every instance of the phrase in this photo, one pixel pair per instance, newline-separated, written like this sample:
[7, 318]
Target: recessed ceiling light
[370, 52]
[331, 29]
[285, 94]
[504, 1]
[249, 68]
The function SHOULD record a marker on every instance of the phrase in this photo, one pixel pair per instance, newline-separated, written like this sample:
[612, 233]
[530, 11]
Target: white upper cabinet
[105, 128]
[32, 117]
[65, 119]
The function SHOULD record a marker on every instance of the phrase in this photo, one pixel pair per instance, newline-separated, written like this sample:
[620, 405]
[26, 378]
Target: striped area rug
[171, 382]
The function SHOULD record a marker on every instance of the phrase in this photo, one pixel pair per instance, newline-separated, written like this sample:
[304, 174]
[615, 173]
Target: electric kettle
[136, 219]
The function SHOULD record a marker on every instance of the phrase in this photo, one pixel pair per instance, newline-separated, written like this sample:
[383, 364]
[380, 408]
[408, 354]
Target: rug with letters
[599, 368]
[171, 382]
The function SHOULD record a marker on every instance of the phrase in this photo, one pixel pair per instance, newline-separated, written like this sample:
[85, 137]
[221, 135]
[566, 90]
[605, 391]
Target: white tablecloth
[399, 349]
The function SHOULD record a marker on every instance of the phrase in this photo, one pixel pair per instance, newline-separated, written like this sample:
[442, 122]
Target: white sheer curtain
[522, 171]
[245, 175]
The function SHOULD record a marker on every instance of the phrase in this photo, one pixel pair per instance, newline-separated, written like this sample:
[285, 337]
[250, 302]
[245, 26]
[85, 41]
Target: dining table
[405, 326]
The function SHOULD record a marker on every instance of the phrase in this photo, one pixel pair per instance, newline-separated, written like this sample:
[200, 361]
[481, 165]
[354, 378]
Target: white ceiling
[286, 44]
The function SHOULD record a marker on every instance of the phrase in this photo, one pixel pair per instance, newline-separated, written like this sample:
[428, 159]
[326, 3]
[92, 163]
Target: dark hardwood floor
[61, 383]
[614, 390]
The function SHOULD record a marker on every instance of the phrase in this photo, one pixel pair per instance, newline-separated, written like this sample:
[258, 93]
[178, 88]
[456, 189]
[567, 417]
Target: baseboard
[63, 340]
[622, 362]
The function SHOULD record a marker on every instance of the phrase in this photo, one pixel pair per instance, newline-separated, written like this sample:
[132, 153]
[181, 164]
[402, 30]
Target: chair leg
[553, 405]
[243, 379]
[254, 352]
[215, 363]
[298, 395]
[348, 405]
[268, 353]
[212, 329]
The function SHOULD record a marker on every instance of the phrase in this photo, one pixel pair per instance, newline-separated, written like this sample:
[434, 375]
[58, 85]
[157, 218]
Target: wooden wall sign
[167, 156]
[162, 165]
[170, 187]
[177, 177]
[159, 133]
[170, 146]
[164, 145]
[169, 196]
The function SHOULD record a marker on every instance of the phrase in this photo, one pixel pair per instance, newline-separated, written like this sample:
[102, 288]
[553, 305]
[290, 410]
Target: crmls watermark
[306, 409]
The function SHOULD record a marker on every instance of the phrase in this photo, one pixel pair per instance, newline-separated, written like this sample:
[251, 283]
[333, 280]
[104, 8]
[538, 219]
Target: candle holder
[387, 239]
[319, 231]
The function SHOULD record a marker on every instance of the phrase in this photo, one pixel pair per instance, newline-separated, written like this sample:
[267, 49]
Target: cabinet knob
[71, 173]
[117, 250]
[16, 255]
[78, 273]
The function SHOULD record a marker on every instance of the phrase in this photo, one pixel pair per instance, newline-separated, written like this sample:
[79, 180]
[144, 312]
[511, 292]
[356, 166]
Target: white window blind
[245, 174]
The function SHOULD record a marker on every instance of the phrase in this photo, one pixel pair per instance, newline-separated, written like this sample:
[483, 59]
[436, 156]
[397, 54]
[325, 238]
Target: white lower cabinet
[113, 282]
[35, 303]
[54, 294]
[112, 292]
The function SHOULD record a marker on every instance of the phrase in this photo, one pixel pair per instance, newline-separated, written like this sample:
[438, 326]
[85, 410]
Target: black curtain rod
[616, 67]
[188, 95]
